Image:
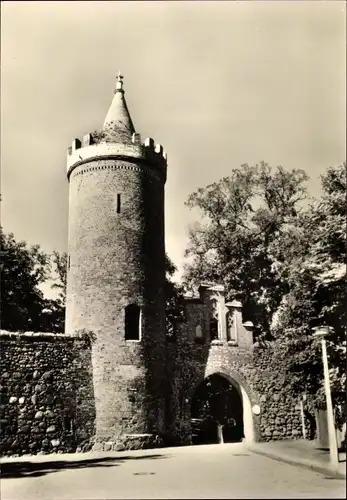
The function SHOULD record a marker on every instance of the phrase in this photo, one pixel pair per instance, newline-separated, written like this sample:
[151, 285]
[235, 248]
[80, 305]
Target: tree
[316, 272]
[243, 215]
[54, 312]
[286, 263]
[24, 269]
[174, 299]
[60, 269]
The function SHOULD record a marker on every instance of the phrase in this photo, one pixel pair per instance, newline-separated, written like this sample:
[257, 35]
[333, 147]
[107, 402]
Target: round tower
[116, 272]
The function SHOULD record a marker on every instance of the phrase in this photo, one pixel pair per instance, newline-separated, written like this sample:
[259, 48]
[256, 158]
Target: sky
[218, 84]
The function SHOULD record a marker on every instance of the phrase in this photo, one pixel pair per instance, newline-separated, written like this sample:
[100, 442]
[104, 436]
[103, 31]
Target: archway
[217, 413]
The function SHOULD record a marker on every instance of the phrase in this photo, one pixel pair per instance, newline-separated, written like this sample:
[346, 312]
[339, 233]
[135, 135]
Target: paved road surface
[214, 471]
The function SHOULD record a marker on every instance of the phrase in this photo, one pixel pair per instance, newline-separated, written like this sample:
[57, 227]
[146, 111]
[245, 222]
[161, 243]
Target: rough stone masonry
[125, 385]
[46, 390]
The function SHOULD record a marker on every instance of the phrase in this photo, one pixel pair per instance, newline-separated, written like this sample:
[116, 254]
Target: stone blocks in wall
[117, 254]
[189, 363]
[130, 442]
[280, 417]
[46, 390]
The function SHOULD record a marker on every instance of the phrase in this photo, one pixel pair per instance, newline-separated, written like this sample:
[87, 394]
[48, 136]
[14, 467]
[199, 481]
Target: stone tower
[116, 273]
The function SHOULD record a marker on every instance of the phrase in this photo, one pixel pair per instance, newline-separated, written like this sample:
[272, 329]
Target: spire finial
[118, 121]
[119, 86]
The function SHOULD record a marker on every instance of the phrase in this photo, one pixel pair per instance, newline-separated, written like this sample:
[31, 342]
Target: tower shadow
[21, 469]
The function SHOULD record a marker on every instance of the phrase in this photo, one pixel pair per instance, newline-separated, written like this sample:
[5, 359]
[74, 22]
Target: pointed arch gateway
[221, 399]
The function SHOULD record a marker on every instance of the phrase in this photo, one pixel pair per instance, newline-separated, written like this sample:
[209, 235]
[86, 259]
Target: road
[213, 471]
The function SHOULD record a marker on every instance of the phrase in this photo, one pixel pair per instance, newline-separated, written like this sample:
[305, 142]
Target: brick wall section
[117, 259]
[46, 390]
[190, 361]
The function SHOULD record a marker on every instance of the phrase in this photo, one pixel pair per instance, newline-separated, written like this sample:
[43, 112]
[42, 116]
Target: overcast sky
[217, 83]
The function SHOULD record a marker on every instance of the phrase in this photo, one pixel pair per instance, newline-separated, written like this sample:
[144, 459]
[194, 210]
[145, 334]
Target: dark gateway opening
[216, 412]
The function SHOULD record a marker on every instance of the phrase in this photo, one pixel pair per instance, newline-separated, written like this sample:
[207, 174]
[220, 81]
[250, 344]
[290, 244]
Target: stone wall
[280, 415]
[247, 365]
[47, 397]
[46, 390]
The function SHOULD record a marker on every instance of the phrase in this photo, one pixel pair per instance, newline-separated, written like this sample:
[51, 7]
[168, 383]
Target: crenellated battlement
[97, 147]
[90, 140]
[151, 148]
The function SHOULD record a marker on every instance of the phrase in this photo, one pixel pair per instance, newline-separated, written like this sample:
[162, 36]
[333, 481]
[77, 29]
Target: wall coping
[4, 334]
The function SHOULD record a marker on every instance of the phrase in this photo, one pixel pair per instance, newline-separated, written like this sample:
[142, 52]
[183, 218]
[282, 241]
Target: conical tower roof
[118, 123]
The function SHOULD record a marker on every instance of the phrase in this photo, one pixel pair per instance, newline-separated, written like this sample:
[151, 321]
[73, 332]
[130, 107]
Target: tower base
[128, 442]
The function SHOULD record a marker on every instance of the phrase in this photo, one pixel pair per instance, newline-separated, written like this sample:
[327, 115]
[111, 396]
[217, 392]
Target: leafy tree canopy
[55, 309]
[23, 269]
[316, 274]
[24, 306]
[284, 260]
[243, 216]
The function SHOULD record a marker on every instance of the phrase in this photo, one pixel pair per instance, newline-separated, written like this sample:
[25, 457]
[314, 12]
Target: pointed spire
[118, 122]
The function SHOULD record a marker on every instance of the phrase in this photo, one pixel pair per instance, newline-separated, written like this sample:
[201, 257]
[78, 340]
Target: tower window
[68, 263]
[118, 203]
[132, 322]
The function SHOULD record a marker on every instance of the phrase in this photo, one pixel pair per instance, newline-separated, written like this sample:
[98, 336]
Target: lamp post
[302, 414]
[320, 333]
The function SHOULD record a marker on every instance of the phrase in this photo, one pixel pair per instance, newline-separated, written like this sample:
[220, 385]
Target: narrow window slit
[132, 322]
